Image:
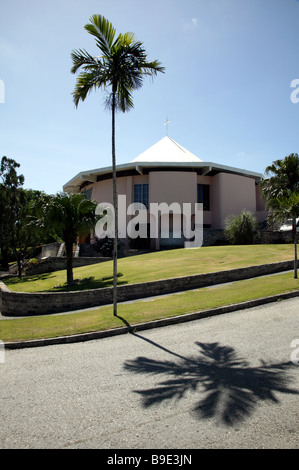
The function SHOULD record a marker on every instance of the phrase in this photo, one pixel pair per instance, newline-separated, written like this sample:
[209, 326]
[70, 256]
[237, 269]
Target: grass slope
[158, 265]
[141, 311]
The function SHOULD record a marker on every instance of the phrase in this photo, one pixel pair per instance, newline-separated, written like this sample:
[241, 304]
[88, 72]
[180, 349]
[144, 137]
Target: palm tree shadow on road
[227, 387]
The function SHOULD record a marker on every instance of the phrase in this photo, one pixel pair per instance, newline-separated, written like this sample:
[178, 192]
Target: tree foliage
[282, 180]
[281, 190]
[70, 216]
[18, 239]
[121, 66]
[10, 182]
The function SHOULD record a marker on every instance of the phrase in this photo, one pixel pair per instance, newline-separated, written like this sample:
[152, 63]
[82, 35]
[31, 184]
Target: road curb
[149, 325]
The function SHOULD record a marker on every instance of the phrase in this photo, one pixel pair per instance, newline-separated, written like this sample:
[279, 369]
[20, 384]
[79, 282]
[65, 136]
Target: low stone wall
[272, 237]
[23, 304]
[51, 249]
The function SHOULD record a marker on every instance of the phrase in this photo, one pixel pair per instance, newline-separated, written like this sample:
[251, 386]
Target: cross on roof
[166, 124]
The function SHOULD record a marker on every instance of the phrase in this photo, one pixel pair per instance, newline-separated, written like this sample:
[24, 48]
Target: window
[141, 194]
[203, 195]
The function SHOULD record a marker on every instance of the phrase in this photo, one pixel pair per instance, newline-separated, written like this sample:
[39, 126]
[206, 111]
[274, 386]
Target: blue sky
[227, 87]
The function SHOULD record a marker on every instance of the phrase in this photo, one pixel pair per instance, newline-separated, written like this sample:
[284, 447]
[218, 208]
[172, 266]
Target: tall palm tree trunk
[115, 243]
[295, 247]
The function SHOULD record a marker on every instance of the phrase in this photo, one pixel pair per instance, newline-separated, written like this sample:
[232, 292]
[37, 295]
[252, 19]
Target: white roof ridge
[180, 146]
[166, 150]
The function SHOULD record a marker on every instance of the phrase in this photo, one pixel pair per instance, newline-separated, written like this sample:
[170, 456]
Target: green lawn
[49, 326]
[158, 265]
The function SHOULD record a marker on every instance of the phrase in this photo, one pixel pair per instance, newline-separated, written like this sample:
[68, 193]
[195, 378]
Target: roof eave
[207, 167]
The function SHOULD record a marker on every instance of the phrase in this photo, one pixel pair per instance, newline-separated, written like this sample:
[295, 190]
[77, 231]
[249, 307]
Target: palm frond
[103, 31]
[124, 99]
[152, 68]
[86, 83]
[81, 58]
[122, 65]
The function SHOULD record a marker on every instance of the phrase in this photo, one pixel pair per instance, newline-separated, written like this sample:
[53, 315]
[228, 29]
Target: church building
[168, 173]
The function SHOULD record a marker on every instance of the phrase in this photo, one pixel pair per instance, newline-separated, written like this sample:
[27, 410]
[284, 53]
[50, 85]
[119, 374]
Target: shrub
[241, 229]
[104, 246]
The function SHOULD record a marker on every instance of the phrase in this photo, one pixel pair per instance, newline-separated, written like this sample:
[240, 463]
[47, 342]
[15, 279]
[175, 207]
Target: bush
[104, 246]
[241, 229]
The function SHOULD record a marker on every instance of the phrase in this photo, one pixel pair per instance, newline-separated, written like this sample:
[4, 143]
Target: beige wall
[172, 186]
[229, 193]
[102, 190]
[229, 196]
[261, 209]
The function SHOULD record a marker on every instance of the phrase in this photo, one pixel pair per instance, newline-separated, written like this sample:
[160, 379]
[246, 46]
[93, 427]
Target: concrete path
[221, 382]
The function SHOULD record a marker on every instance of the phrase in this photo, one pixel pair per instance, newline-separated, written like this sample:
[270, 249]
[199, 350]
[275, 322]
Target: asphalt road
[229, 381]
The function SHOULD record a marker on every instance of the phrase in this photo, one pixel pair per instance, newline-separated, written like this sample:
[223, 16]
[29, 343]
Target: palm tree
[283, 177]
[287, 207]
[121, 66]
[70, 216]
[281, 192]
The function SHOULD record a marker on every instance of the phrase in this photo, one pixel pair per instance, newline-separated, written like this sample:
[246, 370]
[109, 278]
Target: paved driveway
[221, 382]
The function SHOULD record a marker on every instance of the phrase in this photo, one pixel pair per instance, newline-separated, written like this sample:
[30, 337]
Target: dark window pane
[203, 195]
[141, 194]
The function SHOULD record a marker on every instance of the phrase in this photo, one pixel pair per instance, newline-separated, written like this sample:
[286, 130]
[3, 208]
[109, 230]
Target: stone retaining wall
[271, 237]
[26, 304]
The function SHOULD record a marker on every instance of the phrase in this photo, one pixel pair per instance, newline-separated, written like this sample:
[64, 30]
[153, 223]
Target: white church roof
[165, 154]
[166, 150]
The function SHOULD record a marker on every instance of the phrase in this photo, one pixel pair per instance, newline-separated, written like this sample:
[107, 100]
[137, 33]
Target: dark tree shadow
[32, 277]
[89, 283]
[79, 284]
[226, 386]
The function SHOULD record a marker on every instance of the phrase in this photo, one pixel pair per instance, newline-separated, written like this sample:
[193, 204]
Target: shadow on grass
[226, 387]
[88, 283]
[32, 278]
